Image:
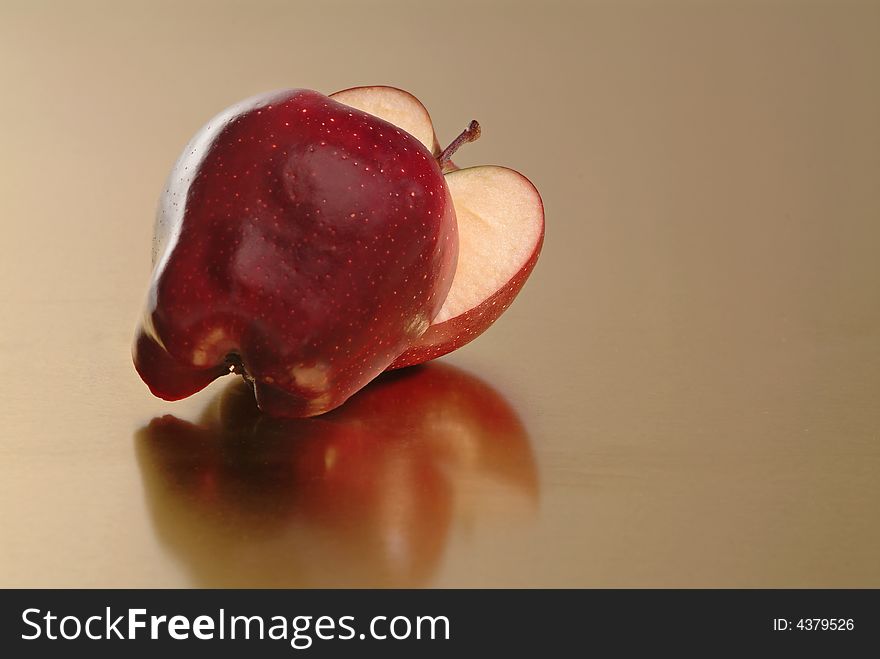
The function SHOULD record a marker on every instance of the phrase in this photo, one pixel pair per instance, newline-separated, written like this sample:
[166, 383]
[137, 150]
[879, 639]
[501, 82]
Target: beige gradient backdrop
[696, 359]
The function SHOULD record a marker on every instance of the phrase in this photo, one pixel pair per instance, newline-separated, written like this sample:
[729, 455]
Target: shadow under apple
[363, 496]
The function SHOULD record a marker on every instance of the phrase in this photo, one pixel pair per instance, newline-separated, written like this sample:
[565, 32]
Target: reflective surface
[366, 495]
[689, 380]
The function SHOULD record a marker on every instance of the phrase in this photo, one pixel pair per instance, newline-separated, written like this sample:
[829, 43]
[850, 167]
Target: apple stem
[469, 134]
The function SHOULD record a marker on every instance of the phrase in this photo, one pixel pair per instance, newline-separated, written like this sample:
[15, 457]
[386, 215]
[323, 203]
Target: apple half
[500, 219]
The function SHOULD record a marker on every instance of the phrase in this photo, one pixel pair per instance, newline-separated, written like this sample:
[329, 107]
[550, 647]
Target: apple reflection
[363, 496]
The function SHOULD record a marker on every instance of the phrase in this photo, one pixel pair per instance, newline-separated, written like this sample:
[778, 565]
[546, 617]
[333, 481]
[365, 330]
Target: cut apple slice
[501, 231]
[500, 222]
[394, 106]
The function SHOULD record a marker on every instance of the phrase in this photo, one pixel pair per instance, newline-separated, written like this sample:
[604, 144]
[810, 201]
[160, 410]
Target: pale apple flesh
[500, 219]
[501, 231]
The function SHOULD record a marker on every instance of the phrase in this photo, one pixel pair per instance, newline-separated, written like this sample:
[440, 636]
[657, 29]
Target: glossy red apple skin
[308, 240]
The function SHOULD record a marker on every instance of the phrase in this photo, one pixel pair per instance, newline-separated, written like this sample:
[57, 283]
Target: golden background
[689, 383]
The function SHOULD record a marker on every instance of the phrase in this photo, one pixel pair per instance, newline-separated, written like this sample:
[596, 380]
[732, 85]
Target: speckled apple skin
[443, 338]
[309, 241]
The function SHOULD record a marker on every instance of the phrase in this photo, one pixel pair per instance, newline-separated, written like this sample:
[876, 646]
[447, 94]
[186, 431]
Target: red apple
[364, 495]
[500, 224]
[308, 243]
[300, 242]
